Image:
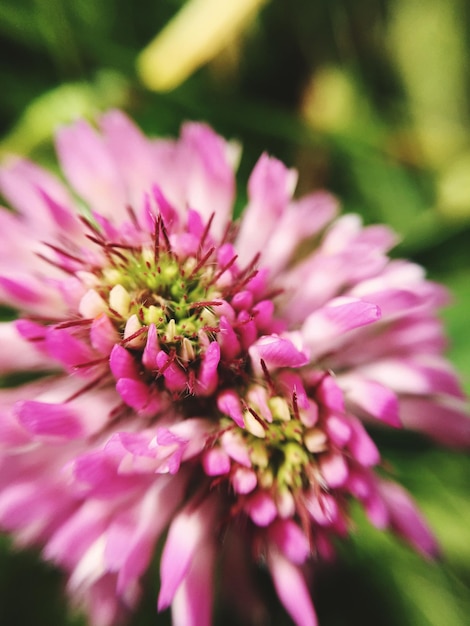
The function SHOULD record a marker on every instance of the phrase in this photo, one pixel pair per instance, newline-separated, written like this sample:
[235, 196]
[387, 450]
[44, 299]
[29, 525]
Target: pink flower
[201, 377]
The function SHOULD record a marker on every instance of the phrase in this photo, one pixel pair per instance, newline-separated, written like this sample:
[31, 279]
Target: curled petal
[277, 352]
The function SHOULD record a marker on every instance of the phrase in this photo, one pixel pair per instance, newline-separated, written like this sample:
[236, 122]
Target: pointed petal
[406, 520]
[192, 604]
[187, 534]
[291, 589]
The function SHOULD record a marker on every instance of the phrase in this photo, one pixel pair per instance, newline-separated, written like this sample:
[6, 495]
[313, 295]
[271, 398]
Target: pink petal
[228, 402]
[373, 399]
[334, 469]
[131, 153]
[20, 291]
[270, 188]
[103, 335]
[207, 377]
[91, 170]
[291, 590]
[216, 462]
[49, 420]
[36, 194]
[175, 377]
[69, 350]
[17, 354]
[244, 480]
[187, 534]
[277, 352]
[361, 445]
[406, 520]
[155, 511]
[447, 422]
[323, 328]
[135, 393]
[228, 341]
[290, 540]
[261, 508]
[151, 350]
[122, 363]
[416, 375]
[304, 218]
[192, 604]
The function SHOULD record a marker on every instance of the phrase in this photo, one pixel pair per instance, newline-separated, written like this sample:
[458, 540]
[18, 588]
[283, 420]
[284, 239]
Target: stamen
[91, 363]
[202, 262]
[137, 333]
[88, 224]
[71, 323]
[55, 264]
[164, 232]
[133, 216]
[223, 270]
[156, 242]
[94, 383]
[63, 252]
[268, 378]
[295, 405]
[203, 303]
[255, 415]
[205, 233]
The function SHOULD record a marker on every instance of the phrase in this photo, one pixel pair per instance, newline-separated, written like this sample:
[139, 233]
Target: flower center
[176, 297]
[285, 442]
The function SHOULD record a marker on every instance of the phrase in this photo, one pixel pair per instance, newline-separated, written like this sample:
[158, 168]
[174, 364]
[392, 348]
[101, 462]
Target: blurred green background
[369, 98]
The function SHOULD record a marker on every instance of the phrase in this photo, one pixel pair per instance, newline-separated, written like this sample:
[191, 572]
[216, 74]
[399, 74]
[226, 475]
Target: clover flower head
[210, 379]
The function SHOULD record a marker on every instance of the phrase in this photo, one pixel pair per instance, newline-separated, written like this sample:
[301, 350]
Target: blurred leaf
[456, 320]
[63, 105]
[427, 39]
[454, 188]
[195, 35]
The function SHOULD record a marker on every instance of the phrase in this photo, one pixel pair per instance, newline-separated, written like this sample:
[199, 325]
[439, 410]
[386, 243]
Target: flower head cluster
[201, 377]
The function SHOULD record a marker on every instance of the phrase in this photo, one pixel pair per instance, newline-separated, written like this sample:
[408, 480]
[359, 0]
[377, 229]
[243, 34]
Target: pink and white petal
[371, 399]
[188, 533]
[151, 516]
[197, 172]
[38, 196]
[360, 444]
[216, 462]
[244, 480]
[91, 170]
[192, 603]
[277, 352]
[290, 540]
[305, 218]
[122, 363]
[334, 469]
[446, 422]
[261, 508]
[228, 402]
[418, 375]
[323, 330]
[291, 589]
[17, 354]
[49, 421]
[210, 179]
[73, 538]
[132, 154]
[137, 395]
[406, 519]
[270, 189]
[207, 378]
